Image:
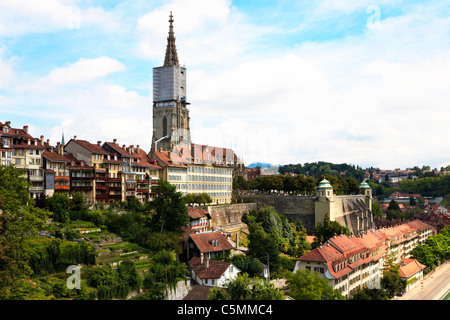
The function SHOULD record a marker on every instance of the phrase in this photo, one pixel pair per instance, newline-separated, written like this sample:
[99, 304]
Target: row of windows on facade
[196, 178]
[202, 170]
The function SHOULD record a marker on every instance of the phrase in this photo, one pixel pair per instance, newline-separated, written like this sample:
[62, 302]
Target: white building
[212, 273]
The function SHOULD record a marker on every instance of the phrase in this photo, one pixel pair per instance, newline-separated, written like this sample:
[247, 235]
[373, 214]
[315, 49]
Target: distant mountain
[262, 165]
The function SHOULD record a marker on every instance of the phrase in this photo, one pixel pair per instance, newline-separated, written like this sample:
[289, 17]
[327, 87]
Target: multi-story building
[56, 165]
[27, 154]
[137, 171]
[82, 178]
[6, 142]
[351, 263]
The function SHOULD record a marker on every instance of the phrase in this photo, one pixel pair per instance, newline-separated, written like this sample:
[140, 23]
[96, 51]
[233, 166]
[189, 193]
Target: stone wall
[349, 210]
[229, 215]
[296, 207]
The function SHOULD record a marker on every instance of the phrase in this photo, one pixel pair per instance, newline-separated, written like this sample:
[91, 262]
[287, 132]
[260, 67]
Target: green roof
[364, 185]
[324, 184]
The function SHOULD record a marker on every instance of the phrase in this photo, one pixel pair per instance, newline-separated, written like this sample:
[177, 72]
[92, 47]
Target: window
[164, 126]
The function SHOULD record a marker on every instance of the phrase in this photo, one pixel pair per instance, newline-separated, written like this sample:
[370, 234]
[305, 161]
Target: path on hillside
[435, 286]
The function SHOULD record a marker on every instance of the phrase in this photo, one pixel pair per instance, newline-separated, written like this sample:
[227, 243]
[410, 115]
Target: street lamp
[157, 141]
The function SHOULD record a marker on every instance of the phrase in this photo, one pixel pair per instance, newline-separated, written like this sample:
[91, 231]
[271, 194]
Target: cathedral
[170, 106]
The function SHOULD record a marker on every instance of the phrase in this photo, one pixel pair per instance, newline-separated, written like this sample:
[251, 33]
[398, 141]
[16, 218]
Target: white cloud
[7, 73]
[84, 70]
[377, 98]
[50, 15]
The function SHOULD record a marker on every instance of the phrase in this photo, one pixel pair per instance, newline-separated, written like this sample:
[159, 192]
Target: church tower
[170, 107]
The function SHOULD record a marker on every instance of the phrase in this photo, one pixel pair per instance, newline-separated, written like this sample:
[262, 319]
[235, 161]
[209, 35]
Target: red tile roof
[338, 249]
[196, 213]
[94, 148]
[209, 269]
[409, 267]
[118, 149]
[204, 241]
[55, 157]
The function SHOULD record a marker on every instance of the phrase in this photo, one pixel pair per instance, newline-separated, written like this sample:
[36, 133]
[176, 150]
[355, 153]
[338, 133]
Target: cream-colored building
[350, 263]
[353, 211]
[196, 170]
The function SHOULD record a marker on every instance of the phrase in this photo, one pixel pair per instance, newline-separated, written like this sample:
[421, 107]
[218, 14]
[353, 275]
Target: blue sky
[362, 82]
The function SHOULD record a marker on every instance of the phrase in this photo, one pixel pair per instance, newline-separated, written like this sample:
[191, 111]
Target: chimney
[42, 139]
[99, 143]
[25, 128]
[201, 258]
[8, 123]
[137, 148]
[74, 137]
[207, 263]
[115, 141]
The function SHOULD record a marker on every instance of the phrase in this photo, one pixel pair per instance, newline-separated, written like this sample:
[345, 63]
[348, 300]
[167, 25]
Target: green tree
[245, 288]
[394, 211]
[19, 220]
[59, 205]
[307, 285]
[327, 229]
[262, 246]
[170, 209]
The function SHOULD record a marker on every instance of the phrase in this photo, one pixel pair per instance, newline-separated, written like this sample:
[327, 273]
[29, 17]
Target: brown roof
[209, 269]
[144, 160]
[196, 213]
[339, 248]
[118, 149]
[409, 267]
[94, 148]
[55, 157]
[204, 241]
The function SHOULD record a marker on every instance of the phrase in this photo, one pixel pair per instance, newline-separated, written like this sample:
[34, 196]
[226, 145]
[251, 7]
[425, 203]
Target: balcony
[62, 188]
[79, 188]
[62, 178]
[82, 178]
[36, 178]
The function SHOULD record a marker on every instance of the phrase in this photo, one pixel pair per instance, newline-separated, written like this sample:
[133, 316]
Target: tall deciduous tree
[19, 219]
[307, 285]
[170, 209]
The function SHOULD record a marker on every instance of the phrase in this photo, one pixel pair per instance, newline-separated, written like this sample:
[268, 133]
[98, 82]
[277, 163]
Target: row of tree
[316, 169]
[297, 184]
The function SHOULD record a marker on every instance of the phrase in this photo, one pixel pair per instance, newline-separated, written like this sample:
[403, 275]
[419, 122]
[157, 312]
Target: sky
[360, 82]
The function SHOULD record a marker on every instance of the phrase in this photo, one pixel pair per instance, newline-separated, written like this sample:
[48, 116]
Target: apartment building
[6, 142]
[198, 169]
[351, 263]
[57, 170]
[27, 154]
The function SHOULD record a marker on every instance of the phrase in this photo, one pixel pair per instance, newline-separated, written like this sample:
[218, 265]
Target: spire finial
[171, 50]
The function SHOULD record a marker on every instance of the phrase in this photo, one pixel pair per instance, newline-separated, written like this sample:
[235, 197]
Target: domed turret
[324, 189]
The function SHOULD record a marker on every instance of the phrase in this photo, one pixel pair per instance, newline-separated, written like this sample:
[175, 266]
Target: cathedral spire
[171, 50]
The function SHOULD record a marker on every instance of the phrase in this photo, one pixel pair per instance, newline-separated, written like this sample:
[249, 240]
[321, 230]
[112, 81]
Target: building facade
[355, 262]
